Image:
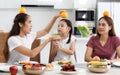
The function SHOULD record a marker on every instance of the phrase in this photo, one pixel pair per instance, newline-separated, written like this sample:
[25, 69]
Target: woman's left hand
[55, 38]
[59, 13]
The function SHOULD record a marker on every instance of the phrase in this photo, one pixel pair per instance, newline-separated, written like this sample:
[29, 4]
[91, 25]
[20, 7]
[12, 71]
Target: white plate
[32, 62]
[49, 69]
[116, 63]
[69, 72]
[5, 68]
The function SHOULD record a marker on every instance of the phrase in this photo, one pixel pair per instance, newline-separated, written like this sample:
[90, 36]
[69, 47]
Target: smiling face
[103, 27]
[27, 26]
[63, 28]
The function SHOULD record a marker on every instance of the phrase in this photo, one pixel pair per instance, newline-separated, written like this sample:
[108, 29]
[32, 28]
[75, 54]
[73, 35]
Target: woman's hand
[55, 38]
[59, 14]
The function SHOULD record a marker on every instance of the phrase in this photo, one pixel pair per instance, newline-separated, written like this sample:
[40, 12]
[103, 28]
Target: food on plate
[49, 66]
[98, 62]
[68, 68]
[98, 65]
[64, 62]
[57, 34]
[33, 68]
[25, 62]
[96, 58]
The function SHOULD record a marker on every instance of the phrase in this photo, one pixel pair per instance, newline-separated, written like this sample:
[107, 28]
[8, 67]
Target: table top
[82, 70]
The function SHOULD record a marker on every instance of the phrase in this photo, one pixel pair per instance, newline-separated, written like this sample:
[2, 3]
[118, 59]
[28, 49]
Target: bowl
[98, 69]
[33, 69]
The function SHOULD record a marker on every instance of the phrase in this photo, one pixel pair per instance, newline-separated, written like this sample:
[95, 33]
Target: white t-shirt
[61, 55]
[15, 41]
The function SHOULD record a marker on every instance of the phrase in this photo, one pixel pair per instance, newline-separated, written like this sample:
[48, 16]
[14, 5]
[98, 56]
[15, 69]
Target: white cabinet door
[64, 4]
[80, 49]
[85, 4]
[10, 3]
[116, 18]
[44, 54]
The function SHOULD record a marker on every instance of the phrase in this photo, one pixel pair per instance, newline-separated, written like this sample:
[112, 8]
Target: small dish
[27, 62]
[5, 68]
[33, 72]
[69, 72]
[49, 67]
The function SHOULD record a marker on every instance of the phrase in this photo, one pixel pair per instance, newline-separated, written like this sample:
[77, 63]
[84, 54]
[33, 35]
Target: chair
[53, 53]
[3, 38]
[35, 44]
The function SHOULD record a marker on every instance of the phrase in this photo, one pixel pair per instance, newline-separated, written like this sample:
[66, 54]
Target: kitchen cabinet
[113, 8]
[80, 49]
[64, 4]
[10, 3]
[85, 4]
[18, 3]
[75, 4]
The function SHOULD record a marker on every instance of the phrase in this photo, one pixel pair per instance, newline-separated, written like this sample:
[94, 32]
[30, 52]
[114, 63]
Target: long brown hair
[19, 18]
[110, 23]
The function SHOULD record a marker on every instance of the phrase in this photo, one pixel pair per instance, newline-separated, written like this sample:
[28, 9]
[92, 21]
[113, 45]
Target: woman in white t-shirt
[21, 38]
[66, 46]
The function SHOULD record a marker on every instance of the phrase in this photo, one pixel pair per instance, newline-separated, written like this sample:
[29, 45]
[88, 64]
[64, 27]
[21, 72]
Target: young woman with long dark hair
[21, 38]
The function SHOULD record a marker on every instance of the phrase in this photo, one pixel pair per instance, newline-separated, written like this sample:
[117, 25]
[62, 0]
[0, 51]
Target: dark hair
[19, 18]
[68, 22]
[110, 23]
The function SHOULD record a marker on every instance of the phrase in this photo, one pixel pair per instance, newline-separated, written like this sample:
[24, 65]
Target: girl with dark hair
[66, 46]
[105, 44]
[21, 38]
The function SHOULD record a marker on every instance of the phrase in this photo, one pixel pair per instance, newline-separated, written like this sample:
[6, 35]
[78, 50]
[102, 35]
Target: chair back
[3, 39]
[34, 45]
[53, 53]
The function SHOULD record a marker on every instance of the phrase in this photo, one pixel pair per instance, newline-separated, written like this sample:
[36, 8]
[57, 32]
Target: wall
[40, 17]
[112, 8]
